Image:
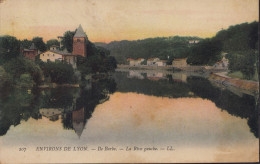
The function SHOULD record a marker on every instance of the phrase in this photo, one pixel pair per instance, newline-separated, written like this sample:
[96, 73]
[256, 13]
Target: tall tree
[39, 44]
[67, 40]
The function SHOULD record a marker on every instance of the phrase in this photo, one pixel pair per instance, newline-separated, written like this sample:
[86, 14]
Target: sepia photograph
[129, 81]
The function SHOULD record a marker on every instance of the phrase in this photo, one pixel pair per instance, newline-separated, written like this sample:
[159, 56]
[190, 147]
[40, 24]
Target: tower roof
[80, 32]
[33, 47]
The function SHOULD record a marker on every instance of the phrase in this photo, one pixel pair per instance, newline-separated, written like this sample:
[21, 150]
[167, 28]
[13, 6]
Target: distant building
[161, 63]
[30, 53]
[152, 61]
[194, 41]
[135, 62]
[182, 62]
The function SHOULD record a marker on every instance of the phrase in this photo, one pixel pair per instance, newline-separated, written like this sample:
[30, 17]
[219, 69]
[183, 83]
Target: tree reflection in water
[75, 105]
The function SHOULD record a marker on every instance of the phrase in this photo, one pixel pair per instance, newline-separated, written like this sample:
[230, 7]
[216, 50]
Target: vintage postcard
[129, 81]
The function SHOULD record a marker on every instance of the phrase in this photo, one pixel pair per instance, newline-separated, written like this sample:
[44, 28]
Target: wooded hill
[161, 47]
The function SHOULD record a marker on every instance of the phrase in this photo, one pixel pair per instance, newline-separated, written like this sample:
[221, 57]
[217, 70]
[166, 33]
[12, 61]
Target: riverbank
[245, 85]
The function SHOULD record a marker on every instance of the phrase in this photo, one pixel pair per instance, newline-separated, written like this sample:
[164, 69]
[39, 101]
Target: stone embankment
[220, 78]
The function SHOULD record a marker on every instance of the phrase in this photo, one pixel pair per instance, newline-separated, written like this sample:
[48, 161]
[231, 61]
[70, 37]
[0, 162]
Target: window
[53, 54]
[78, 40]
[48, 54]
[42, 54]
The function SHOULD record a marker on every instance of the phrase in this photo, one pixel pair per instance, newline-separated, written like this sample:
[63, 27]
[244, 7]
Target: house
[57, 55]
[161, 63]
[182, 62]
[30, 53]
[79, 49]
[135, 62]
[152, 61]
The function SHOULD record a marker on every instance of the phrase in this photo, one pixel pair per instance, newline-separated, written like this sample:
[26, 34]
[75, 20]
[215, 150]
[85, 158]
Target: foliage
[162, 47]
[18, 66]
[58, 72]
[241, 44]
[52, 42]
[26, 43]
[98, 61]
[239, 37]
[67, 40]
[243, 61]
[207, 52]
[9, 48]
[40, 45]
[26, 80]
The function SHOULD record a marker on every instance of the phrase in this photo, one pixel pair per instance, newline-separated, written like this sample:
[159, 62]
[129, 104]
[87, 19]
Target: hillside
[162, 47]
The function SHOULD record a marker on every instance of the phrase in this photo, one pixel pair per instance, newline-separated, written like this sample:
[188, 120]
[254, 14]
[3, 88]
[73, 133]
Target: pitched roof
[80, 32]
[64, 52]
[33, 47]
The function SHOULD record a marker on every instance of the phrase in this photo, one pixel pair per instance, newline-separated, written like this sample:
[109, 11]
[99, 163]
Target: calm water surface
[188, 115]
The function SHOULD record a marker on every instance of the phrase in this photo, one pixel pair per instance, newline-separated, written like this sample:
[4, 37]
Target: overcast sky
[108, 20]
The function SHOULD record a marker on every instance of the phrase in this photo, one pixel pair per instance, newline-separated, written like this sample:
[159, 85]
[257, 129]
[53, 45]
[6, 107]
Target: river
[131, 116]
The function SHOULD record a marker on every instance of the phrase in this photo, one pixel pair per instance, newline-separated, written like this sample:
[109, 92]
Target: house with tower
[79, 49]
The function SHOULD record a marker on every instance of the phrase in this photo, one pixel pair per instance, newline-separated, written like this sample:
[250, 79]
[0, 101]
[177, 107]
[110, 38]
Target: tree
[9, 48]
[67, 40]
[207, 52]
[26, 43]
[52, 42]
[40, 45]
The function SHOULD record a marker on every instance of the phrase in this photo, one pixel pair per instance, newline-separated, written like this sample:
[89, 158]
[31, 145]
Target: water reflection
[141, 108]
[18, 104]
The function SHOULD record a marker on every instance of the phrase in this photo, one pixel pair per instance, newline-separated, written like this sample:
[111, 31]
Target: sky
[109, 20]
